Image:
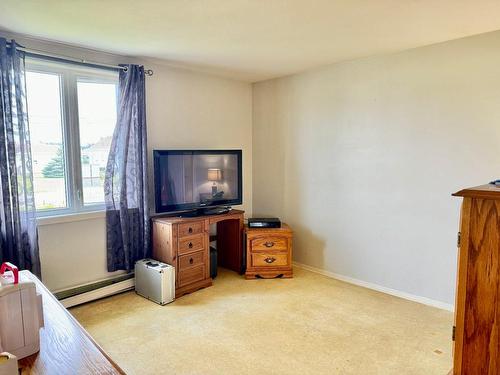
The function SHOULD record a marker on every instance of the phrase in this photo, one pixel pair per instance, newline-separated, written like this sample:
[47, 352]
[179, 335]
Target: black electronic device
[213, 262]
[268, 222]
[206, 182]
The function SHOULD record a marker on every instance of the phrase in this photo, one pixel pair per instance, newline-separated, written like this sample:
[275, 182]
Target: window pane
[45, 121]
[97, 119]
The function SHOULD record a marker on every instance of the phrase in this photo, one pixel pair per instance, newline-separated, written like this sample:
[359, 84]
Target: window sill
[70, 218]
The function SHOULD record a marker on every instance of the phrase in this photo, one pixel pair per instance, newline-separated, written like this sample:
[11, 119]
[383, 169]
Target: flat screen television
[196, 179]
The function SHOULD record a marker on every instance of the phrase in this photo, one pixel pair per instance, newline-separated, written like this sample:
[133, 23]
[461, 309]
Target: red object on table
[7, 266]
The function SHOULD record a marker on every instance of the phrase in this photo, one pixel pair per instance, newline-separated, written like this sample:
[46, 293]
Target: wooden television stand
[184, 242]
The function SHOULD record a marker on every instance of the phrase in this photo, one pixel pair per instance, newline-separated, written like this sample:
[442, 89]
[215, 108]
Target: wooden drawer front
[270, 259]
[191, 260]
[190, 244]
[269, 243]
[191, 275]
[188, 229]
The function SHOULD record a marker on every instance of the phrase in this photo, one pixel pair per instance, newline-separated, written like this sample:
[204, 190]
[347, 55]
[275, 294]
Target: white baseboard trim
[379, 288]
[106, 291]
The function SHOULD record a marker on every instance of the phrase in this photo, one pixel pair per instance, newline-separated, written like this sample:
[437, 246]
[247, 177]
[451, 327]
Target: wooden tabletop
[488, 191]
[65, 346]
[172, 219]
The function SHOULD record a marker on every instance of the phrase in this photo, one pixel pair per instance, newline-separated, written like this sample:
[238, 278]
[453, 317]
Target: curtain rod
[43, 54]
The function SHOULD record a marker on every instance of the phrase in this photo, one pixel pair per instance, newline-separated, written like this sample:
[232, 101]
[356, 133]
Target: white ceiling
[250, 40]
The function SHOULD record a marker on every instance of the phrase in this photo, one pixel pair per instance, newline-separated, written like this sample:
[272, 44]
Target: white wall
[185, 110]
[361, 158]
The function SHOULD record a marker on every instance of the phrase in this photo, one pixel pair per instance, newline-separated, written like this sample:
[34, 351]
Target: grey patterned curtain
[125, 183]
[18, 231]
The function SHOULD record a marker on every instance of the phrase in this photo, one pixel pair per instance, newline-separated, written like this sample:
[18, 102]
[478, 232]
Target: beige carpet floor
[310, 324]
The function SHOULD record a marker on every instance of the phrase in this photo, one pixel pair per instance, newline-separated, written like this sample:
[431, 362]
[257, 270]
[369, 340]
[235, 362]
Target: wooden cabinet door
[477, 341]
[458, 328]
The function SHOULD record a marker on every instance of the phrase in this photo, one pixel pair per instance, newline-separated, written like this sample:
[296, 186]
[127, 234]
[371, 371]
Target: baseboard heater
[90, 292]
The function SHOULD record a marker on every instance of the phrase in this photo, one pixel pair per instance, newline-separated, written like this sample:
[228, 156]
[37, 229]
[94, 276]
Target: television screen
[192, 179]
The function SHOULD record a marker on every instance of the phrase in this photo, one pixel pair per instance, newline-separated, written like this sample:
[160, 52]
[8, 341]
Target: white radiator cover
[105, 291]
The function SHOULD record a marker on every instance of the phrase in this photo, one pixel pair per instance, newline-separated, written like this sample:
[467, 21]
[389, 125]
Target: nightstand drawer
[191, 275]
[191, 260]
[270, 259]
[192, 243]
[188, 229]
[269, 243]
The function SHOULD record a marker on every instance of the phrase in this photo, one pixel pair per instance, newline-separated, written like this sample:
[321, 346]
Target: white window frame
[69, 75]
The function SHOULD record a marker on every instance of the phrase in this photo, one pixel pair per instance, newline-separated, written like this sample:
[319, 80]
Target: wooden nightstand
[269, 252]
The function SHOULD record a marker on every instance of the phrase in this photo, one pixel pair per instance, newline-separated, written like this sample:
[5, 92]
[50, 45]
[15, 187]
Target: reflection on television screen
[197, 178]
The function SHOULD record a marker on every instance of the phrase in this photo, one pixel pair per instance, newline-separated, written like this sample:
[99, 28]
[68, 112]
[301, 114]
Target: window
[72, 115]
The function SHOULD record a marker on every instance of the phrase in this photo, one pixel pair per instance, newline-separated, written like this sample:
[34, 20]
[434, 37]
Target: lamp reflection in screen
[214, 174]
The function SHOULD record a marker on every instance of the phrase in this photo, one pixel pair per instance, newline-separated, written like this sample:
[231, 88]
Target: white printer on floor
[155, 281]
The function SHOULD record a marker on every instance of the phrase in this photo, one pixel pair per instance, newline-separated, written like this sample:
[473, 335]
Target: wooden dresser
[184, 244]
[269, 252]
[477, 306]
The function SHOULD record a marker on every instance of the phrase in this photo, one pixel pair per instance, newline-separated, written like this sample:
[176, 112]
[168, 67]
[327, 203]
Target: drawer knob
[190, 245]
[190, 230]
[191, 261]
[269, 244]
[269, 260]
